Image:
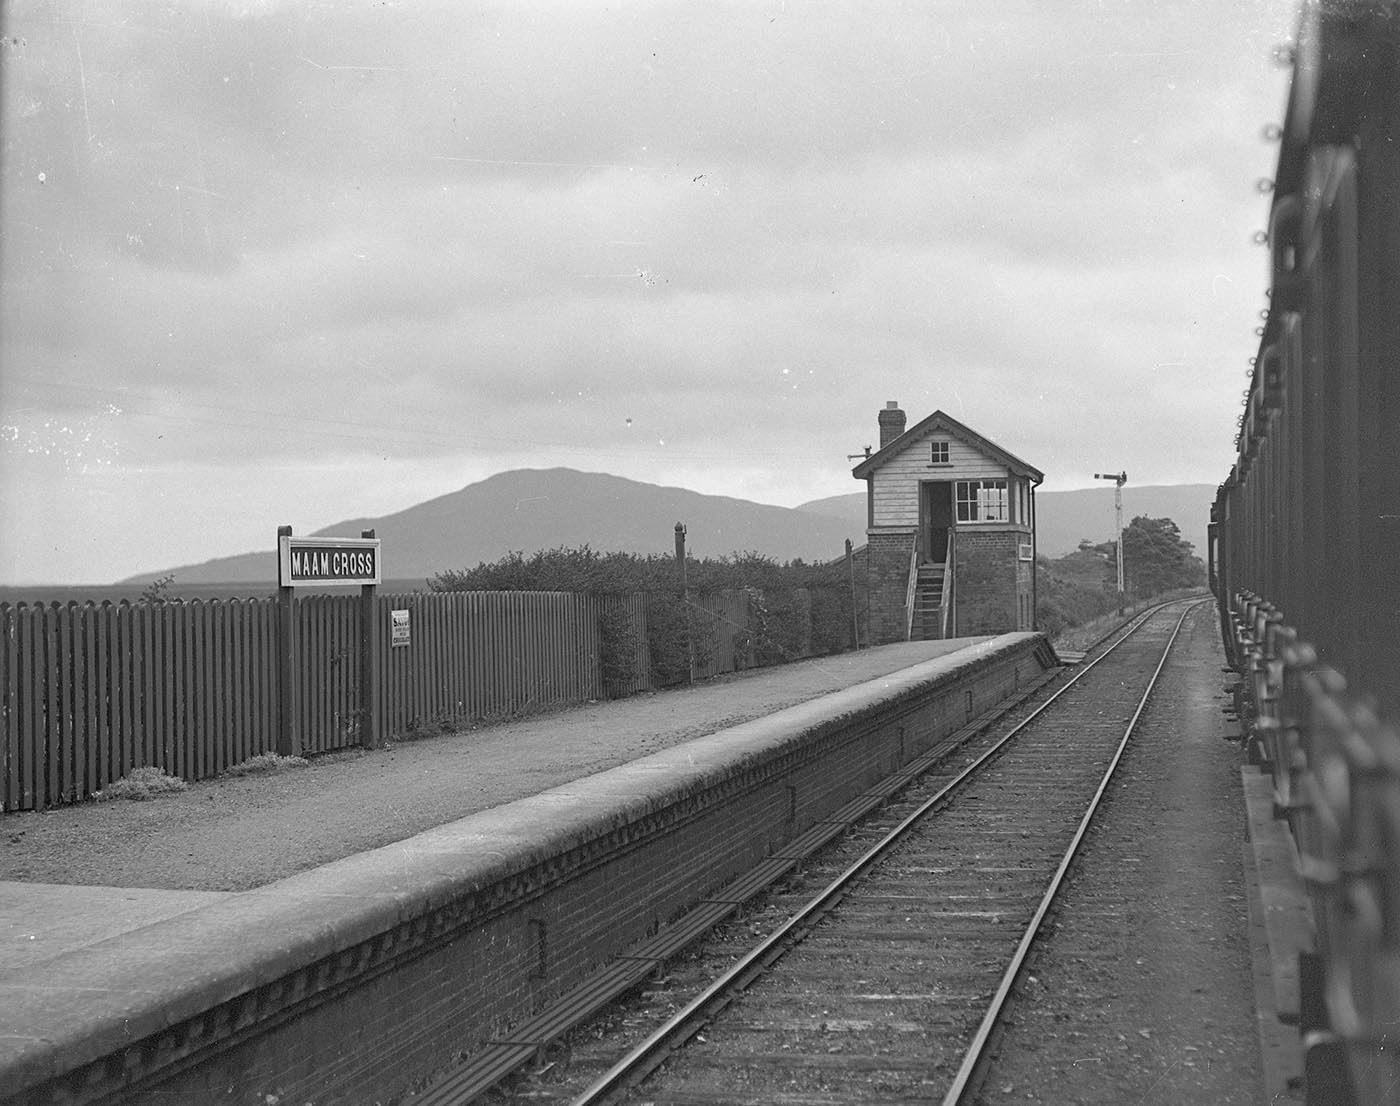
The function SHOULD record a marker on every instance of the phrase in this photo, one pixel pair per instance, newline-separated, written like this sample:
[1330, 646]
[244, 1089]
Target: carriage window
[940, 453]
[981, 500]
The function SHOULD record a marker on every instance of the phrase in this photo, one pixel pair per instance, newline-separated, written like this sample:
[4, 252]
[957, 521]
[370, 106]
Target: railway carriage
[1305, 535]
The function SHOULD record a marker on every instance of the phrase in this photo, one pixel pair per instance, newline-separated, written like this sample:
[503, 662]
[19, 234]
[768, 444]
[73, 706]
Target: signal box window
[981, 501]
[940, 453]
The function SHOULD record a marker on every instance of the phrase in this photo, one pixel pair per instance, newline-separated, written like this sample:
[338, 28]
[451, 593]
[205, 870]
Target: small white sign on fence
[400, 632]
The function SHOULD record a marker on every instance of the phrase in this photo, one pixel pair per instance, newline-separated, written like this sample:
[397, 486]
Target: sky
[297, 262]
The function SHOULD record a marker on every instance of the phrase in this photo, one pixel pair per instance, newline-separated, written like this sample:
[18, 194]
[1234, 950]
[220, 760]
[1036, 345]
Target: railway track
[880, 970]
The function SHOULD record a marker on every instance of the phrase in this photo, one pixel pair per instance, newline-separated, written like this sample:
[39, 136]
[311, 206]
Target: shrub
[782, 624]
[799, 608]
[617, 647]
[673, 630]
[831, 618]
[158, 590]
[139, 785]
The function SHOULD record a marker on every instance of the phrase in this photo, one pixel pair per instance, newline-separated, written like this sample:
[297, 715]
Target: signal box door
[935, 519]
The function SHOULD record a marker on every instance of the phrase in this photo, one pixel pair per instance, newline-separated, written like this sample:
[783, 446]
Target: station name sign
[305, 561]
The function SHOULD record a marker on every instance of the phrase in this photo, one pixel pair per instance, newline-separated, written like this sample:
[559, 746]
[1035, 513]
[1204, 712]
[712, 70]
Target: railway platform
[349, 980]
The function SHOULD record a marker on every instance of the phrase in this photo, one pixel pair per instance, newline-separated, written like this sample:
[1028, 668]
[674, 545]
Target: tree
[1156, 558]
[1070, 591]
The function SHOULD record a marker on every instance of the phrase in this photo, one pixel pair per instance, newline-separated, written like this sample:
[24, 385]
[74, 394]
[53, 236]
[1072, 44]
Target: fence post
[685, 601]
[369, 663]
[855, 614]
[288, 740]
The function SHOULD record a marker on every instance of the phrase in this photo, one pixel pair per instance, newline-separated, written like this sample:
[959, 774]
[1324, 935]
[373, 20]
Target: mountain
[1064, 518]
[533, 509]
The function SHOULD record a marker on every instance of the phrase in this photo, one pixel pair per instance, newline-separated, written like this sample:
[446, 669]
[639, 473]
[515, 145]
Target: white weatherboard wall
[896, 482]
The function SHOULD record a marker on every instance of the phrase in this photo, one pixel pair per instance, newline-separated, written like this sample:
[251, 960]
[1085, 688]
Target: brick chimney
[891, 423]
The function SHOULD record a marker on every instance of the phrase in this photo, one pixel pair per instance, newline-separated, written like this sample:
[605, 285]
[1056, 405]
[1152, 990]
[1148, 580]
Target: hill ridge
[524, 510]
[529, 509]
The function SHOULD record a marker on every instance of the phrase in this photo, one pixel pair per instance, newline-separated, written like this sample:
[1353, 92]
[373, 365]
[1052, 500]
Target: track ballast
[878, 992]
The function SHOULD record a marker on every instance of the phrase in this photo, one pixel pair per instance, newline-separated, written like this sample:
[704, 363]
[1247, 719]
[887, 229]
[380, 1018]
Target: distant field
[115, 593]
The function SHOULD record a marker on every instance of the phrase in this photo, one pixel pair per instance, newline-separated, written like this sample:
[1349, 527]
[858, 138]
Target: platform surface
[42, 921]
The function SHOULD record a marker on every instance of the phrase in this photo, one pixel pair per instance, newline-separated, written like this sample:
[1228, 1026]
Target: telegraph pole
[685, 600]
[1119, 479]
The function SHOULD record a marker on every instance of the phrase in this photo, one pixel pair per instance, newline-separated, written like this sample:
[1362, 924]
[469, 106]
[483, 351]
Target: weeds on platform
[265, 764]
[139, 785]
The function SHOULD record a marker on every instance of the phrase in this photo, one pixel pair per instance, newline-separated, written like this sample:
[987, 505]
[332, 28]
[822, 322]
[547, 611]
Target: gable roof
[940, 422]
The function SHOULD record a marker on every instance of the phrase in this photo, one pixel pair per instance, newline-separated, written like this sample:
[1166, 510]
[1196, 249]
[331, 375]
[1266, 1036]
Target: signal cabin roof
[942, 423]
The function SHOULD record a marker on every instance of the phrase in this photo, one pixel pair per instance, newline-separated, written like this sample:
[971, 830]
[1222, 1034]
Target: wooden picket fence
[89, 691]
[92, 691]
[327, 661]
[486, 654]
[722, 621]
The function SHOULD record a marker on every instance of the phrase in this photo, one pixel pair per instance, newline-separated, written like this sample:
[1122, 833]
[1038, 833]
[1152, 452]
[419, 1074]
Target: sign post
[369, 660]
[317, 562]
[288, 740]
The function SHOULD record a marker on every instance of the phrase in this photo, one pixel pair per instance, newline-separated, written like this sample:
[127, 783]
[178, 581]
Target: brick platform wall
[887, 579]
[440, 978]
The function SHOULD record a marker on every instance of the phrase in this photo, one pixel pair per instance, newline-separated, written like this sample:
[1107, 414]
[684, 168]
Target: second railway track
[877, 973]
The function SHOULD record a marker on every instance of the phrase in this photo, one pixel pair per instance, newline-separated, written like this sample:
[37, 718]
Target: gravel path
[234, 833]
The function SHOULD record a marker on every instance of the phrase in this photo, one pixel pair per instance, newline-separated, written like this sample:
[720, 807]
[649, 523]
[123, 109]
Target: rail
[976, 1056]
[685, 1023]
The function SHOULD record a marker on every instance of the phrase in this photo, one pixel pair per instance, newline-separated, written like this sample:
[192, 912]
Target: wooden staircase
[928, 603]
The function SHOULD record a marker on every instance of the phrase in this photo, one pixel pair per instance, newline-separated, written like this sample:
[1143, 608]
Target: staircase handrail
[947, 597]
[912, 590]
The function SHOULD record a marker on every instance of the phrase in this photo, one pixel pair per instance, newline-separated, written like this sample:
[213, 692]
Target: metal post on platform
[855, 613]
[288, 740]
[685, 601]
[369, 662]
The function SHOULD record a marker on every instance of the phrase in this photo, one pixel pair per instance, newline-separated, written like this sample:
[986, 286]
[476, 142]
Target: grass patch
[1086, 635]
[139, 785]
[265, 764]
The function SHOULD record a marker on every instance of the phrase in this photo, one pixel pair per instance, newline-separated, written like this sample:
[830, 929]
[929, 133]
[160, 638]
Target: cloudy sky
[293, 262]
